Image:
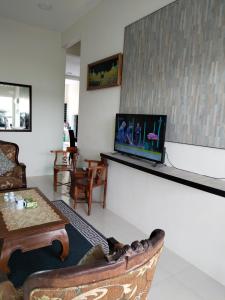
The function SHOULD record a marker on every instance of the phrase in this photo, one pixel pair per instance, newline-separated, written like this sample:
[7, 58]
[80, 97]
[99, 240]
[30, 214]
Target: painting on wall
[105, 73]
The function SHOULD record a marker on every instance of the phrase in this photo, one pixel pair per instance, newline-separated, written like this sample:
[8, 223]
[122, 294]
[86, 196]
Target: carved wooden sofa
[12, 173]
[127, 274]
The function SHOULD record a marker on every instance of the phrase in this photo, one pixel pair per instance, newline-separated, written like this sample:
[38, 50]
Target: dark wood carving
[120, 251]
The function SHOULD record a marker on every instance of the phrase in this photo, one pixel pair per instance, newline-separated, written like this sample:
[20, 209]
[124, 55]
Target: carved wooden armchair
[12, 173]
[127, 274]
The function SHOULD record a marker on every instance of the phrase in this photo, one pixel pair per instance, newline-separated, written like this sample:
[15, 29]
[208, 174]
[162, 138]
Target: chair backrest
[11, 150]
[63, 157]
[97, 174]
[127, 275]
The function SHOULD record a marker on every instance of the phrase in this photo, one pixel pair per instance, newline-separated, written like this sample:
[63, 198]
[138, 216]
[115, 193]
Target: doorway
[71, 99]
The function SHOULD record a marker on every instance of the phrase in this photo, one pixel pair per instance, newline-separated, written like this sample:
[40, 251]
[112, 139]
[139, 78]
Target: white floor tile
[172, 263]
[160, 275]
[171, 289]
[201, 284]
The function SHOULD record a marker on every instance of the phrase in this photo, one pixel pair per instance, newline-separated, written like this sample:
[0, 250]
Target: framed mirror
[15, 107]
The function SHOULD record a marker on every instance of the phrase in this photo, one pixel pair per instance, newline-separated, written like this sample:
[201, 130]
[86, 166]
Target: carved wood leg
[104, 196]
[89, 202]
[4, 258]
[105, 183]
[75, 196]
[72, 187]
[86, 195]
[31, 242]
[63, 238]
[55, 179]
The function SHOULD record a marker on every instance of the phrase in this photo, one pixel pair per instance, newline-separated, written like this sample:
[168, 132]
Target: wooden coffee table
[30, 228]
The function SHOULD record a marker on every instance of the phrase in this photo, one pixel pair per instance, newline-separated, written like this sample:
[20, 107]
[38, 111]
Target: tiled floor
[175, 279]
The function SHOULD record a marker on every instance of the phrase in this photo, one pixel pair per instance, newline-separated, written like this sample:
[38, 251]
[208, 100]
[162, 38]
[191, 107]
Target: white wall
[34, 56]
[193, 220]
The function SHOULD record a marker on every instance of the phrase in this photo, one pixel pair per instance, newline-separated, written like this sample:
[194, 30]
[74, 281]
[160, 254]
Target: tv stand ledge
[200, 182]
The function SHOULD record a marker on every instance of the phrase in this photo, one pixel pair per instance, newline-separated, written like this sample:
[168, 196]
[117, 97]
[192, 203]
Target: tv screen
[141, 135]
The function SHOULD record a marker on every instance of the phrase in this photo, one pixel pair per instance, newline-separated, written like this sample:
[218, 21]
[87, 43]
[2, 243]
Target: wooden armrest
[66, 277]
[96, 167]
[58, 151]
[92, 161]
[68, 149]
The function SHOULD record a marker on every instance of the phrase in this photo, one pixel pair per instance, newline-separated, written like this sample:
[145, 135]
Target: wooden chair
[127, 273]
[95, 176]
[65, 161]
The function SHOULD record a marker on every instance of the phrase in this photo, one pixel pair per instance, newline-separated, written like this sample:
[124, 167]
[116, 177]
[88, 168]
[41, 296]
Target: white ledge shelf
[200, 182]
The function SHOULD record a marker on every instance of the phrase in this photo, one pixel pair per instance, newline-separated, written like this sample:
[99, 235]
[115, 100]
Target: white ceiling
[63, 14]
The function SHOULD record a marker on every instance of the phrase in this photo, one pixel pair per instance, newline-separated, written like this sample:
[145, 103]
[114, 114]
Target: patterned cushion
[9, 182]
[7, 291]
[95, 254]
[6, 164]
[3, 277]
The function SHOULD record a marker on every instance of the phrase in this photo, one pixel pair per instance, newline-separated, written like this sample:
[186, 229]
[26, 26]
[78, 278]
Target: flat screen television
[141, 135]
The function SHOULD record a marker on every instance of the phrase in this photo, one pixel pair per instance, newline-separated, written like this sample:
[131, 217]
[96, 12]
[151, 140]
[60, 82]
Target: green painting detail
[104, 78]
[105, 73]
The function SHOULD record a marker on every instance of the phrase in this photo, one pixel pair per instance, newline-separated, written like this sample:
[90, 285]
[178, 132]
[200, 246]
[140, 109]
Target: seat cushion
[6, 165]
[7, 182]
[95, 254]
[7, 291]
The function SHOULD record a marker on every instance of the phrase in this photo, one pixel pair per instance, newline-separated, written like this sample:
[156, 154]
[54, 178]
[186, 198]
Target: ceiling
[57, 15]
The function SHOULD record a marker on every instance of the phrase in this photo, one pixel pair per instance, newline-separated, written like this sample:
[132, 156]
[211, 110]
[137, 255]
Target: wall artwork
[105, 73]
[174, 64]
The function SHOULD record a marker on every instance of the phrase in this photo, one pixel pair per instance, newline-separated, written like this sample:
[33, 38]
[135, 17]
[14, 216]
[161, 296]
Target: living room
[192, 219]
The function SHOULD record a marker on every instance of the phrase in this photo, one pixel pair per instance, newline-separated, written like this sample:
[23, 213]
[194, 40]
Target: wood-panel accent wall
[174, 64]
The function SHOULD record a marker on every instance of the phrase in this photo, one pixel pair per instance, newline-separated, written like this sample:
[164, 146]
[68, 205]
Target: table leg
[4, 258]
[33, 242]
[63, 238]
